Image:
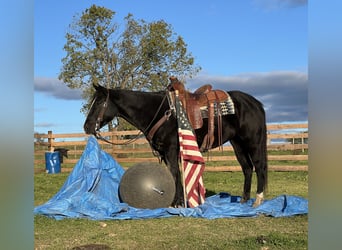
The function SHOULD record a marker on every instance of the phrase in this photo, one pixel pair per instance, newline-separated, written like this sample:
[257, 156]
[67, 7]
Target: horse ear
[100, 88]
[96, 85]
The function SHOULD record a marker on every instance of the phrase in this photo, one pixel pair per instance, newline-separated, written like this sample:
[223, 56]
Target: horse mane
[160, 92]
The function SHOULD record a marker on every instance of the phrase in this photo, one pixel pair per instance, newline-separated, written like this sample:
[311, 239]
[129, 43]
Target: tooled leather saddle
[204, 98]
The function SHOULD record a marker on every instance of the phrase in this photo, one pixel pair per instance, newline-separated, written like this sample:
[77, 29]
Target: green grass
[177, 232]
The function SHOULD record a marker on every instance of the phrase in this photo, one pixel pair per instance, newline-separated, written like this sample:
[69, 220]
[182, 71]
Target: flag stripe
[193, 177]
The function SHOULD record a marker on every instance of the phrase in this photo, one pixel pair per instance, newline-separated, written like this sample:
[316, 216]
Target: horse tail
[265, 167]
[264, 156]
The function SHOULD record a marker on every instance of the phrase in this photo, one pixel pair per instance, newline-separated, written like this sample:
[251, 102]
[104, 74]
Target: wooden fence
[287, 149]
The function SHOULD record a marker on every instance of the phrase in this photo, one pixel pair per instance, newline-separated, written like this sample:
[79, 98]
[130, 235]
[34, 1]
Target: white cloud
[283, 93]
[45, 125]
[56, 88]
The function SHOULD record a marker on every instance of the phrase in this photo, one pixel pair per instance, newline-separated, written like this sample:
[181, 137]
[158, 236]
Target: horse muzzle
[88, 129]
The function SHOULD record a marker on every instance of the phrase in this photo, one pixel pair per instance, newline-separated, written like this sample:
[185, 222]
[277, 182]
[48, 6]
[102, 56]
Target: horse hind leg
[259, 159]
[247, 169]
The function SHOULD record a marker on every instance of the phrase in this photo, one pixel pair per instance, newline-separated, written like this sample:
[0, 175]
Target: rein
[150, 134]
[100, 137]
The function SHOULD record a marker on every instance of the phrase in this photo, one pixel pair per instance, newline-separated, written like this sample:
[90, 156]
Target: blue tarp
[91, 191]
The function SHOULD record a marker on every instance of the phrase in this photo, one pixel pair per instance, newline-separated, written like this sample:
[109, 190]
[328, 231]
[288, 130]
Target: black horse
[246, 130]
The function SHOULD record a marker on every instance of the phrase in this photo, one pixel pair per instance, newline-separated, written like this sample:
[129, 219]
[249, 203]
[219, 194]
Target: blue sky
[257, 46]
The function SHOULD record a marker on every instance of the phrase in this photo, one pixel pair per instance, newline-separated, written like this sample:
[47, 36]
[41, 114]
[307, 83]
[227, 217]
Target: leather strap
[158, 125]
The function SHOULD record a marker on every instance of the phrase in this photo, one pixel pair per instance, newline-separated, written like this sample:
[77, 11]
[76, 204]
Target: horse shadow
[209, 193]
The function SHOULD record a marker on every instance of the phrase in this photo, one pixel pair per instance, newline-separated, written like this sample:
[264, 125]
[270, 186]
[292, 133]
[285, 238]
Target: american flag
[191, 159]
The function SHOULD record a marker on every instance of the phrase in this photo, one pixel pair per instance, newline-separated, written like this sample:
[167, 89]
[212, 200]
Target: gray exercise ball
[147, 185]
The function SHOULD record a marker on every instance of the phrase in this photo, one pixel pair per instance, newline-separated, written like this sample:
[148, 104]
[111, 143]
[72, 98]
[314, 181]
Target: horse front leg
[171, 159]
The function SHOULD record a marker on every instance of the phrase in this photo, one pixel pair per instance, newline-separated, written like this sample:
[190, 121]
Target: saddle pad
[225, 108]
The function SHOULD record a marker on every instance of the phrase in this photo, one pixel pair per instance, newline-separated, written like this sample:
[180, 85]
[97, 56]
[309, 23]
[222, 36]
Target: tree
[39, 139]
[141, 56]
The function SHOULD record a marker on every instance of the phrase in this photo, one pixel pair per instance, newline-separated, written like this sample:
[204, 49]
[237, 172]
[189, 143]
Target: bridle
[149, 136]
[102, 111]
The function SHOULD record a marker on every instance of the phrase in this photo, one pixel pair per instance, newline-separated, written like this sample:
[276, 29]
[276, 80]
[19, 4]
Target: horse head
[101, 111]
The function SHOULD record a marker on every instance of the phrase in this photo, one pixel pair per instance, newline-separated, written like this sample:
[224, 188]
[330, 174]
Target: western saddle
[203, 98]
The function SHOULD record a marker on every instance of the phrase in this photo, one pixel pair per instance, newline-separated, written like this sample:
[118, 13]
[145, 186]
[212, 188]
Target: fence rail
[287, 149]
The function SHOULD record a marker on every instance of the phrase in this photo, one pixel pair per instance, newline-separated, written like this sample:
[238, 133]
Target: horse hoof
[255, 204]
[178, 204]
[259, 199]
[245, 198]
[243, 201]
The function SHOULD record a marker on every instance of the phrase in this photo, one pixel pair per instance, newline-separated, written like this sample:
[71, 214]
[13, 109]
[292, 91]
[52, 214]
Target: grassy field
[177, 232]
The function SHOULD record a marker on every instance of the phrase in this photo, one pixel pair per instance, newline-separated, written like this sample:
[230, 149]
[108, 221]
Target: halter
[102, 111]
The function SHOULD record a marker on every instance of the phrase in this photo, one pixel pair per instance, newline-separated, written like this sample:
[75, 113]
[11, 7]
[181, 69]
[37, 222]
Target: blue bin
[52, 162]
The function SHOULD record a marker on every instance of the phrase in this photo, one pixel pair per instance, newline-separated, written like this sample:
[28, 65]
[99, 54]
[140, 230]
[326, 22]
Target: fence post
[268, 138]
[50, 141]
